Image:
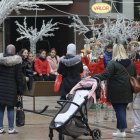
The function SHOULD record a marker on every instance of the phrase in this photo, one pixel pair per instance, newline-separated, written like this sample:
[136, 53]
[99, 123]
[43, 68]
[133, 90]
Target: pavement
[37, 126]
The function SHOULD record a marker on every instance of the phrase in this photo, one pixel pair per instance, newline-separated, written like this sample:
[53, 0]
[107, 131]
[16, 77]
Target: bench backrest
[41, 88]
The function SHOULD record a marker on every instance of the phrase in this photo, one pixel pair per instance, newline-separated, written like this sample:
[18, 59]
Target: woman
[42, 67]
[70, 67]
[10, 85]
[24, 55]
[119, 91]
[30, 70]
[53, 60]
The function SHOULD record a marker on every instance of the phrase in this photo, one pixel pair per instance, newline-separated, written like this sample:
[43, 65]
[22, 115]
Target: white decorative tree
[33, 35]
[7, 6]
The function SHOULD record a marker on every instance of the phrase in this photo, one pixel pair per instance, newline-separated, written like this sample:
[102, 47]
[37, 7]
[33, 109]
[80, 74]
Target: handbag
[20, 115]
[134, 83]
[57, 83]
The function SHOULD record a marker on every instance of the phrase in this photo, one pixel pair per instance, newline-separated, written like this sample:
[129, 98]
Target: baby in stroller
[72, 119]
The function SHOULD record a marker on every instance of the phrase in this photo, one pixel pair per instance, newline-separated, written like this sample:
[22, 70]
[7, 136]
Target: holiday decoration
[33, 35]
[7, 6]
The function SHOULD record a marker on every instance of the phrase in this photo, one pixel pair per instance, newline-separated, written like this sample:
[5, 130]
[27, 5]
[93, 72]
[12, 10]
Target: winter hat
[10, 50]
[71, 49]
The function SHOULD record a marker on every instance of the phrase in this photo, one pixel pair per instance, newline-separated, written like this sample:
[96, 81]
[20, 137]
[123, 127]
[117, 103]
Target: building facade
[59, 11]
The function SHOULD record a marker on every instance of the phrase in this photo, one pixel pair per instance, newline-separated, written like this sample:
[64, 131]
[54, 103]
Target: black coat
[118, 85]
[70, 68]
[10, 79]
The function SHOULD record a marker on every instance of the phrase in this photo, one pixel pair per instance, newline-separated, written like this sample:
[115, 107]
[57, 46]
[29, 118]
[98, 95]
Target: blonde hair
[119, 52]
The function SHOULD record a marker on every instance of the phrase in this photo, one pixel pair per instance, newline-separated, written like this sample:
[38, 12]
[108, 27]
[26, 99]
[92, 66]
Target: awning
[52, 2]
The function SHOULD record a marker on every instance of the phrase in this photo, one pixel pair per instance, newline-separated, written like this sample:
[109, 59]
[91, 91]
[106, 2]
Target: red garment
[96, 68]
[42, 67]
[85, 60]
[137, 64]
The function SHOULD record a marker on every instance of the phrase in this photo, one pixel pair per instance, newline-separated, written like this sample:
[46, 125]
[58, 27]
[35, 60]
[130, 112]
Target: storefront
[60, 11]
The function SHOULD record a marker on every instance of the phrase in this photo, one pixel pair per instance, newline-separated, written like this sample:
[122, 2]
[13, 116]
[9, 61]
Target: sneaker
[135, 130]
[2, 131]
[119, 134]
[12, 131]
[132, 130]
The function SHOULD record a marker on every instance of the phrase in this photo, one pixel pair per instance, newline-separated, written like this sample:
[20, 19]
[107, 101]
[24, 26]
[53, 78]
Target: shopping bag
[57, 83]
[20, 115]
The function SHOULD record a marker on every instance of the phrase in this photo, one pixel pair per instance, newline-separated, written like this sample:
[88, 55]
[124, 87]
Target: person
[107, 57]
[119, 91]
[53, 60]
[70, 67]
[42, 67]
[107, 54]
[10, 86]
[136, 112]
[30, 70]
[24, 55]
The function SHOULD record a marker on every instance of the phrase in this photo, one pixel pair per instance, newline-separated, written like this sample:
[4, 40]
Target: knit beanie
[10, 50]
[71, 49]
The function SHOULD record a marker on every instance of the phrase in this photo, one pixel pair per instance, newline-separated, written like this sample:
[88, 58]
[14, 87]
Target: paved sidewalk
[36, 127]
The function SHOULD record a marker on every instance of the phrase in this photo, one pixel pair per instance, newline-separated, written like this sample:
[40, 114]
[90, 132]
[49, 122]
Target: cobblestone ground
[37, 126]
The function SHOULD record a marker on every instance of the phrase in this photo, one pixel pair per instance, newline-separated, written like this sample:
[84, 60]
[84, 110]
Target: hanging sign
[101, 8]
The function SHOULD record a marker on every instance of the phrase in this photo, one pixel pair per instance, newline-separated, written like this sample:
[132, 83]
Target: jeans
[120, 109]
[10, 115]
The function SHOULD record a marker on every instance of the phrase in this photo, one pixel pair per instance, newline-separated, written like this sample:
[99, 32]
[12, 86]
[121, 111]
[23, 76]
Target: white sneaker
[132, 130]
[119, 134]
[12, 131]
[2, 131]
[135, 130]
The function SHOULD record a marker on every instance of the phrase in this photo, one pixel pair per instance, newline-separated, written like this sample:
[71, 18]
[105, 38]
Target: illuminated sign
[101, 8]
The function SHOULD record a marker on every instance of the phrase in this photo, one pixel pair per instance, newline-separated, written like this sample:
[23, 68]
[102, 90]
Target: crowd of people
[114, 67]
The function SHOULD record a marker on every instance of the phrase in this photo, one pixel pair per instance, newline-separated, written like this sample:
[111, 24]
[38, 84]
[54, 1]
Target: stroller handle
[66, 101]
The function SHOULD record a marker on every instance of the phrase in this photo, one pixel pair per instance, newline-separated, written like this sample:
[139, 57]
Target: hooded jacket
[118, 84]
[10, 79]
[70, 68]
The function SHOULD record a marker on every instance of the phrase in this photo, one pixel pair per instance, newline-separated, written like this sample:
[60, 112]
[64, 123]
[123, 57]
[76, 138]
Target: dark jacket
[107, 57]
[10, 79]
[118, 84]
[70, 67]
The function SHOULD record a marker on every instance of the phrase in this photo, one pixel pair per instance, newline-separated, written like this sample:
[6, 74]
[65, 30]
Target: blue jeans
[10, 115]
[120, 109]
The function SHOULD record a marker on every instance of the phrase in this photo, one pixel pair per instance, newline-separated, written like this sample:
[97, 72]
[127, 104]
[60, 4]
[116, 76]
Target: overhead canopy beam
[49, 2]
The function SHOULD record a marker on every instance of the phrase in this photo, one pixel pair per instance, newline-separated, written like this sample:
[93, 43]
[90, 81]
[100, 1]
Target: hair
[109, 46]
[53, 49]
[40, 51]
[21, 51]
[119, 52]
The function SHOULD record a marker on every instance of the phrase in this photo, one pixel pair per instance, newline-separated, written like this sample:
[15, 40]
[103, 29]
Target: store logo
[101, 8]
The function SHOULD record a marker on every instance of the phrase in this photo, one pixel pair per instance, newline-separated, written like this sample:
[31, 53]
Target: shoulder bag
[20, 115]
[134, 82]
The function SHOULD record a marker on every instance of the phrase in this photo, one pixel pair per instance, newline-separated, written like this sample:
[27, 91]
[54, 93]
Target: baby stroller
[72, 119]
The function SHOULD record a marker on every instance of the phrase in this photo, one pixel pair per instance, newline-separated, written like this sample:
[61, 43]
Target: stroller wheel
[61, 136]
[96, 134]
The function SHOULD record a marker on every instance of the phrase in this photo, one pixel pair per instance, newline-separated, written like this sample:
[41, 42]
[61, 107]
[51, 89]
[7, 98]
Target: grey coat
[118, 84]
[10, 79]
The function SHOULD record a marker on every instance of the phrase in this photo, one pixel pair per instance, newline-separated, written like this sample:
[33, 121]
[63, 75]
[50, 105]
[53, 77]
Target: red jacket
[42, 66]
[96, 68]
[137, 64]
